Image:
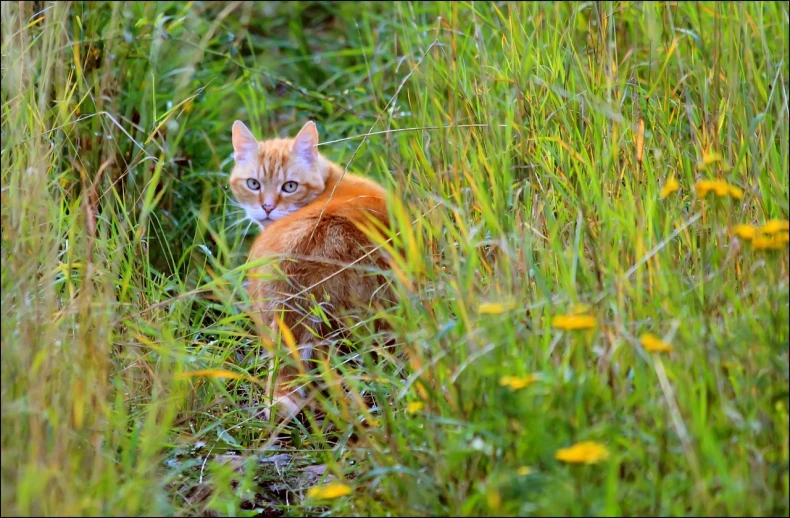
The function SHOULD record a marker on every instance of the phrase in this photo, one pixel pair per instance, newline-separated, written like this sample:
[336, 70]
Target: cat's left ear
[305, 144]
[244, 144]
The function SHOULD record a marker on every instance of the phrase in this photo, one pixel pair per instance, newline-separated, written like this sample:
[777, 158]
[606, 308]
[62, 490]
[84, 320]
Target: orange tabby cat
[311, 214]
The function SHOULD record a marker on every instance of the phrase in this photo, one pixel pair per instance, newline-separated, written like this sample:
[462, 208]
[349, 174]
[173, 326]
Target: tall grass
[526, 146]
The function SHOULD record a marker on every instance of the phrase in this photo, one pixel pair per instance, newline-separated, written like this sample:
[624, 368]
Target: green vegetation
[527, 145]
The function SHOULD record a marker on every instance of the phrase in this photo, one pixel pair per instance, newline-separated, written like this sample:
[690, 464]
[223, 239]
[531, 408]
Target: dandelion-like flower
[671, 186]
[746, 232]
[775, 225]
[588, 452]
[703, 187]
[654, 344]
[414, 407]
[517, 382]
[776, 242]
[734, 192]
[773, 235]
[495, 308]
[573, 322]
[329, 491]
[708, 159]
[719, 187]
[523, 471]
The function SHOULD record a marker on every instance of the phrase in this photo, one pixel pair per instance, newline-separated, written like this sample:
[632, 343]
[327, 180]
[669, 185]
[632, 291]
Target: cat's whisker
[237, 223]
[243, 217]
[233, 223]
[248, 227]
[230, 215]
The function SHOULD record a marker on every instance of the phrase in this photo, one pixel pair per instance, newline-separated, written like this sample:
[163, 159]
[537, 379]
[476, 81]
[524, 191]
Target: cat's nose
[268, 207]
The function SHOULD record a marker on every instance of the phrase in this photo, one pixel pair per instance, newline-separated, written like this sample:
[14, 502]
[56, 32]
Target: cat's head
[274, 178]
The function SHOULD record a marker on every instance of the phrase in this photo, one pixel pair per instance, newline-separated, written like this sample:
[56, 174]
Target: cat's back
[328, 225]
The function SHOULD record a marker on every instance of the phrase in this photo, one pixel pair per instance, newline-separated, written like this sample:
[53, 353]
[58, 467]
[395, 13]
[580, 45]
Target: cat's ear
[305, 145]
[245, 146]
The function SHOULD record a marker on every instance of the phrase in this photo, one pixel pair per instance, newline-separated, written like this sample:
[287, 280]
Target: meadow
[589, 251]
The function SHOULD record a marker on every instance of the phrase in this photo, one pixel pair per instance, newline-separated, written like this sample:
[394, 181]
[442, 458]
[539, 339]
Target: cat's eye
[289, 187]
[253, 184]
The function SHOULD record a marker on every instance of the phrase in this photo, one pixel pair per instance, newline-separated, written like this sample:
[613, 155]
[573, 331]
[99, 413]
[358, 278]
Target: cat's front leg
[286, 396]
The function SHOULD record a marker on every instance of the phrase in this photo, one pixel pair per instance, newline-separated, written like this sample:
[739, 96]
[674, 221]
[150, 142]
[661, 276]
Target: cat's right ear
[305, 144]
[245, 147]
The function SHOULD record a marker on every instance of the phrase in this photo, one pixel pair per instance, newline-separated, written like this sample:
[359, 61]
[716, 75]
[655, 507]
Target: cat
[312, 217]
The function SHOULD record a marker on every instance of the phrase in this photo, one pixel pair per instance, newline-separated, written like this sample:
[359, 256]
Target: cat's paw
[288, 406]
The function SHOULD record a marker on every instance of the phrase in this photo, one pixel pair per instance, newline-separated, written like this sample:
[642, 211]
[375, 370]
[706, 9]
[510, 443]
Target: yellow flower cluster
[329, 491]
[719, 187]
[653, 344]
[517, 382]
[777, 242]
[746, 232]
[587, 452]
[775, 226]
[573, 322]
[773, 235]
[495, 308]
[671, 186]
[414, 407]
[710, 158]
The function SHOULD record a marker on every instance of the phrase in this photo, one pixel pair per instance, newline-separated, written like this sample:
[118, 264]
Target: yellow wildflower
[773, 235]
[329, 491]
[523, 471]
[703, 187]
[671, 186]
[414, 407]
[653, 344]
[775, 225]
[770, 243]
[517, 382]
[744, 231]
[587, 452]
[719, 187]
[734, 192]
[495, 308]
[708, 159]
[571, 322]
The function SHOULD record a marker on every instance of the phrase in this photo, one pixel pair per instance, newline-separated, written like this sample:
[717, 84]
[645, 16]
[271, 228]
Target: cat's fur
[315, 233]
